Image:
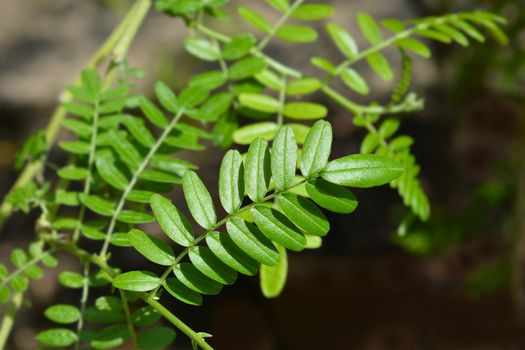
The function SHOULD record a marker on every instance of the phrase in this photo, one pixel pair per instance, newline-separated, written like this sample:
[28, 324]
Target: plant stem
[266, 40]
[135, 178]
[83, 302]
[9, 318]
[117, 45]
[129, 322]
[22, 268]
[178, 323]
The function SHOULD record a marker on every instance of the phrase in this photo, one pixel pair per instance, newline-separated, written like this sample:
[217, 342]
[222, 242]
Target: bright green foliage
[123, 157]
[273, 278]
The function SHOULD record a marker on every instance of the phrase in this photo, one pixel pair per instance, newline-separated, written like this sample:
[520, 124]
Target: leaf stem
[266, 40]
[135, 178]
[83, 302]
[178, 323]
[22, 268]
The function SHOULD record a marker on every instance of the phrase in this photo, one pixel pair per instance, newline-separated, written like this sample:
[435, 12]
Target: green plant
[123, 159]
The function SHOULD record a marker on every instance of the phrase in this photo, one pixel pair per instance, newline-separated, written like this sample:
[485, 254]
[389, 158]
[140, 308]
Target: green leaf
[153, 114]
[252, 241]
[362, 170]
[193, 96]
[171, 220]
[97, 204]
[79, 128]
[296, 34]
[78, 109]
[370, 143]
[355, 81]
[247, 67]
[4, 294]
[204, 49]
[136, 281]
[273, 278]
[284, 158]
[211, 266]
[63, 314]
[257, 170]
[227, 251]
[166, 96]
[415, 46]
[110, 173]
[110, 337]
[181, 292]
[380, 65]
[211, 80]
[157, 338]
[199, 200]
[75, 147]
[19, 283]
[303, 86]
[139, 131]
[317, 148]
[126, 150]
[255, 19]
[313, 242]
[59, 337]
[304, 110]
[270, 80]
[97, 316]
[324, 64]
[91, 81]
[389, 127]
[231, 181]
[70, 279]
[18, 257]
[280, 5]
[369, 28]
[195, 280]
[300, 131]
[343, 40]
[434, 35]
[216, 106]
[238, 47]
[152, 248]
[278, 228]
[145, 316]
[313, 12]
[304, 214]
[260, 102]
[467, 28]
[159, 176]
[72, 173]
[393, 25]
[451, 32]
[247, 134]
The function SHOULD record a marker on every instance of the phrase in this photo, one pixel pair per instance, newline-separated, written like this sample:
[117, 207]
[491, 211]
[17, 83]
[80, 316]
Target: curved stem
[178, 323]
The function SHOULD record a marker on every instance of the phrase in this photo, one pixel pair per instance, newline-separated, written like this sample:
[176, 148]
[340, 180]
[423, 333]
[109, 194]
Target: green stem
[83, 302]
[91, 161]
[135, 178]
[9, 318]
[129, 322]
[282, 100]
[124, 33]
[178, 323]
[266, 40]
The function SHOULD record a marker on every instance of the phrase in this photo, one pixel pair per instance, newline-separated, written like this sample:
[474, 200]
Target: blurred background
[456, 282]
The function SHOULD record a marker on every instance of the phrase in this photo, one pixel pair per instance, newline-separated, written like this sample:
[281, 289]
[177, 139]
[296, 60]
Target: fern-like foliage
[123, 159]
[258, 233]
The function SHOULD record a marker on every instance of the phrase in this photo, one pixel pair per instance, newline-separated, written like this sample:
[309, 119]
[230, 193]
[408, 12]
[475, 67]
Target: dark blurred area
[456, 282]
